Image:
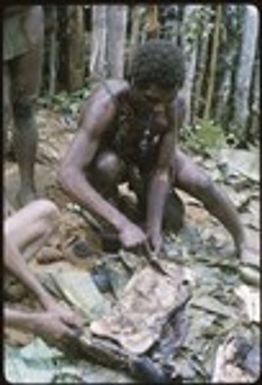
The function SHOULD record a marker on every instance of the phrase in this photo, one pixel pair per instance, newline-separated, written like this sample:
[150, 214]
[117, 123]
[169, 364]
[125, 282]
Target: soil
[54, 138]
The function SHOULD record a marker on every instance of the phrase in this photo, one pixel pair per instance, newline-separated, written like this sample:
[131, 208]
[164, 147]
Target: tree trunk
[176, 27]
[134, 38]
[213, 63]
[152, 22]
[116, 39]
[202, 61]
[62, 53]
[228, 56]
[76, 44]
[52, 51]
[108, 41]
[190, 52]
[98, 42]
[244, 73]
[255, 110]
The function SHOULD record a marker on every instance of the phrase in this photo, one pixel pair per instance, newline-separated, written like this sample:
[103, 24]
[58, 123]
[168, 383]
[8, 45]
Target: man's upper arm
[169, 141]
[166, 151]
[179, 112]
[81, 151]
[95, 117]
[167, 148]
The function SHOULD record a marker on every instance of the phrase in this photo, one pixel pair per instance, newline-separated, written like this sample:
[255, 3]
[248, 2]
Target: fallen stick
[109, 355]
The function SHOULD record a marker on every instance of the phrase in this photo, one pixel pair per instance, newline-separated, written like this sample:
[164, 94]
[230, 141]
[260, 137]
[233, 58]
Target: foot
[24, 197]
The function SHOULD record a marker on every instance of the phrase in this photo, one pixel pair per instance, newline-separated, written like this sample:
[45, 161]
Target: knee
[204, 185]
[207, 191]
[109, 166]
[23, 109]
[49, 212]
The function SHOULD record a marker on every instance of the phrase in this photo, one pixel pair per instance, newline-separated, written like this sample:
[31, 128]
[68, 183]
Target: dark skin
[21, 83]
[171, 168]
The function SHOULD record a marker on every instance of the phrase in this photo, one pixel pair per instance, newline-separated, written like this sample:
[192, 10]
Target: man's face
[155, 99]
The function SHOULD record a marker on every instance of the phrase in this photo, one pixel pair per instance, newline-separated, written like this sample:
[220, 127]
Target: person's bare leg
[25, 78]
[28, 230]
[30, 227]
[195, 181]
[107, 173]
[24, 233]
[7, 108]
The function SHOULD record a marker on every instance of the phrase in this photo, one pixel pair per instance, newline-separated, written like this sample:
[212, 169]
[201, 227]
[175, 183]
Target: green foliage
[66, 102]
[38, 363]
[204, 137]
[198, 25]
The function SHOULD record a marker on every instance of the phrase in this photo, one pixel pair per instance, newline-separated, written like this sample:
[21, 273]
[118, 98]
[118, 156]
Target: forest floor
[222, 302]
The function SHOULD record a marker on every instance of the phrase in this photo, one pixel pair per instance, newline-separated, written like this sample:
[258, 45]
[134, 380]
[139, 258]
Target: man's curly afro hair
[158, 62]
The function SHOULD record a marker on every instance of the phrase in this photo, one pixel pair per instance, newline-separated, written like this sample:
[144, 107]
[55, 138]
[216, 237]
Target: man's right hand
[131, 236]
[69, 317]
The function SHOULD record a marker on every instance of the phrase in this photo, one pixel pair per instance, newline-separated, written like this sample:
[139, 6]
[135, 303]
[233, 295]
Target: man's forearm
[156, 200]
[80, 190]
[20, 319]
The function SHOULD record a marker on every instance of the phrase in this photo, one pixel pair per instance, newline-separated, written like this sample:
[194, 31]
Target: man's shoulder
[108, 92]
[104, 98]
[116, 87]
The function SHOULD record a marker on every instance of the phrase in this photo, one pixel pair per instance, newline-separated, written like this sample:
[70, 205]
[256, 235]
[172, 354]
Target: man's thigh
[190, 177]
[107, 172]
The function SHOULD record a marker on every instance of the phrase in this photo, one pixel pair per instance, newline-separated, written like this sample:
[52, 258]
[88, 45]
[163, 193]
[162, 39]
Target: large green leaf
[31, 364]
[38, 363]
[79, 290]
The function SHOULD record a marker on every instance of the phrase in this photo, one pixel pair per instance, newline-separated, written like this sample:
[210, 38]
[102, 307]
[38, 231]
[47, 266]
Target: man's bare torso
[135, 132]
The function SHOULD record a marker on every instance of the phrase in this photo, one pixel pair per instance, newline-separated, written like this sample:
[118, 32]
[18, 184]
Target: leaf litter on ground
[203, 248]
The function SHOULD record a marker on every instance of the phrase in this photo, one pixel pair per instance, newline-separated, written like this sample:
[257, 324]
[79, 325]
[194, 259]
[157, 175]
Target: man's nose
[159, 108]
